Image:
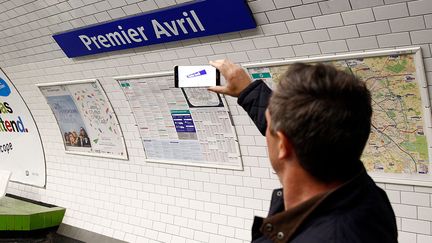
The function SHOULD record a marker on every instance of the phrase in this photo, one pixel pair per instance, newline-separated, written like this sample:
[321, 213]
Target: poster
[399, 145]
[188, 126]
[85, 118]
[21, 150]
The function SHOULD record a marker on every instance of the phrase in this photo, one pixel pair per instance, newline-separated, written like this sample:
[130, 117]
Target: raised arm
[252, 96]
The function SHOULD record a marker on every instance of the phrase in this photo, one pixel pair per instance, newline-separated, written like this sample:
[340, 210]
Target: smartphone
[196, 76]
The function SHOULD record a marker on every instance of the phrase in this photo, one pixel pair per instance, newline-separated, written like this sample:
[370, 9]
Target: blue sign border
[184, 21]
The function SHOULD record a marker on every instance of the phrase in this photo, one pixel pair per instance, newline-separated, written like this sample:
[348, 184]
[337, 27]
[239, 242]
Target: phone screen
[196, 76]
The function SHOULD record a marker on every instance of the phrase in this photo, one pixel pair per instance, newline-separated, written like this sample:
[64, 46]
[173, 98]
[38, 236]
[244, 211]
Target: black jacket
[357, 211]
[254, 100]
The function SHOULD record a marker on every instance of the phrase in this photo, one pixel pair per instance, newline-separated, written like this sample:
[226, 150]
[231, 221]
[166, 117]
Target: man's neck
[299, 186]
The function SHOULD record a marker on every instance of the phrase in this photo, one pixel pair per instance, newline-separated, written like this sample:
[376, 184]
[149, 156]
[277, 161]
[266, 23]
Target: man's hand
[236, 78]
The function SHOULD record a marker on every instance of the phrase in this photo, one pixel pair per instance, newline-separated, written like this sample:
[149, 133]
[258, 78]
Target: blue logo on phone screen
[4, 88]
[197, 74]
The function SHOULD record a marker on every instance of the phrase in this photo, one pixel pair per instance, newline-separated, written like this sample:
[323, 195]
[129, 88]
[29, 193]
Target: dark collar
[281, 224]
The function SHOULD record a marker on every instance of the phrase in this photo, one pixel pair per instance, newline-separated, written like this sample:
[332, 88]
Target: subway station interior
[164, 121]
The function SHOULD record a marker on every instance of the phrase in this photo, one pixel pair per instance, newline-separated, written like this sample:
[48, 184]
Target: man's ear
[284, 145]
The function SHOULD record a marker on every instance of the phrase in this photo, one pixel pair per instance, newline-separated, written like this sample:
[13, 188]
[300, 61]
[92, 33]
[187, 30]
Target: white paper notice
[188, 126]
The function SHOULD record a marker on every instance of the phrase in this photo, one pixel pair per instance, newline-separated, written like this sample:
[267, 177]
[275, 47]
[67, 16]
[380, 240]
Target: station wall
[137, 201]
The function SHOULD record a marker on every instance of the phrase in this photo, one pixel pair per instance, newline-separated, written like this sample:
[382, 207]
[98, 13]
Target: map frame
[381, 177]
[199, 164]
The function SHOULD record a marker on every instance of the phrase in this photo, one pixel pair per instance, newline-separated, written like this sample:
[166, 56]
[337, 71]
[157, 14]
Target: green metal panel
[26, 223]
[10, 222]
[19, 222]
[19, 215]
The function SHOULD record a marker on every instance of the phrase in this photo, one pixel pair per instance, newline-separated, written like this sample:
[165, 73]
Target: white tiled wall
[142, 202]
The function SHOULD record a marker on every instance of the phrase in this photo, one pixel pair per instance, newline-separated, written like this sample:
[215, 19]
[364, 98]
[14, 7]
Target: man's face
[272, 144]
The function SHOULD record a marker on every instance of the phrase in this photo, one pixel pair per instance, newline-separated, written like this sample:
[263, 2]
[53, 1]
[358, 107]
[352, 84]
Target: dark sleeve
[254, 100]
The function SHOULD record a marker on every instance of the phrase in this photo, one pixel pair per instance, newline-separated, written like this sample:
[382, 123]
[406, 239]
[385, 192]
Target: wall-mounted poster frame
[399, 147]
[86, 119]
[21, 147]
[189, 126]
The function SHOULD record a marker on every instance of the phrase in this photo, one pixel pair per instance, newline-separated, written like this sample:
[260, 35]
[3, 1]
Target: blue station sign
[184, 21]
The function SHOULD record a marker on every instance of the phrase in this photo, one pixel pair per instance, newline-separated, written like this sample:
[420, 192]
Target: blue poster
[70, 122]
[183, 121]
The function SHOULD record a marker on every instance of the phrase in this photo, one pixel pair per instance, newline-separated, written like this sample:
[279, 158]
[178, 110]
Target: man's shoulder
[360, 224]
[357, 212]
[354, 226]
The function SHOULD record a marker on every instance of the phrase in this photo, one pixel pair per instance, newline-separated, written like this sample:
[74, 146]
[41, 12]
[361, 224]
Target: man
[316, 124]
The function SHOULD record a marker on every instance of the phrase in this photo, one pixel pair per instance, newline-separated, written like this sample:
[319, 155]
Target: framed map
[399, 146]
[86, 119]
[186, 126]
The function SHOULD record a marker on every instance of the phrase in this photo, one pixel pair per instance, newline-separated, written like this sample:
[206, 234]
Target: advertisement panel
[21, 150]
[86, 119]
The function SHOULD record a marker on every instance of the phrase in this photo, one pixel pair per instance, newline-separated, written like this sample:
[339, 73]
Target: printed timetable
[188, 126]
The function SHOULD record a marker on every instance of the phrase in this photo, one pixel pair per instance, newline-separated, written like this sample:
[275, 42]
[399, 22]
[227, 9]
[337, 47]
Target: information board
[399, 146]
[86, 119]
[188, 126]
[21, 150]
